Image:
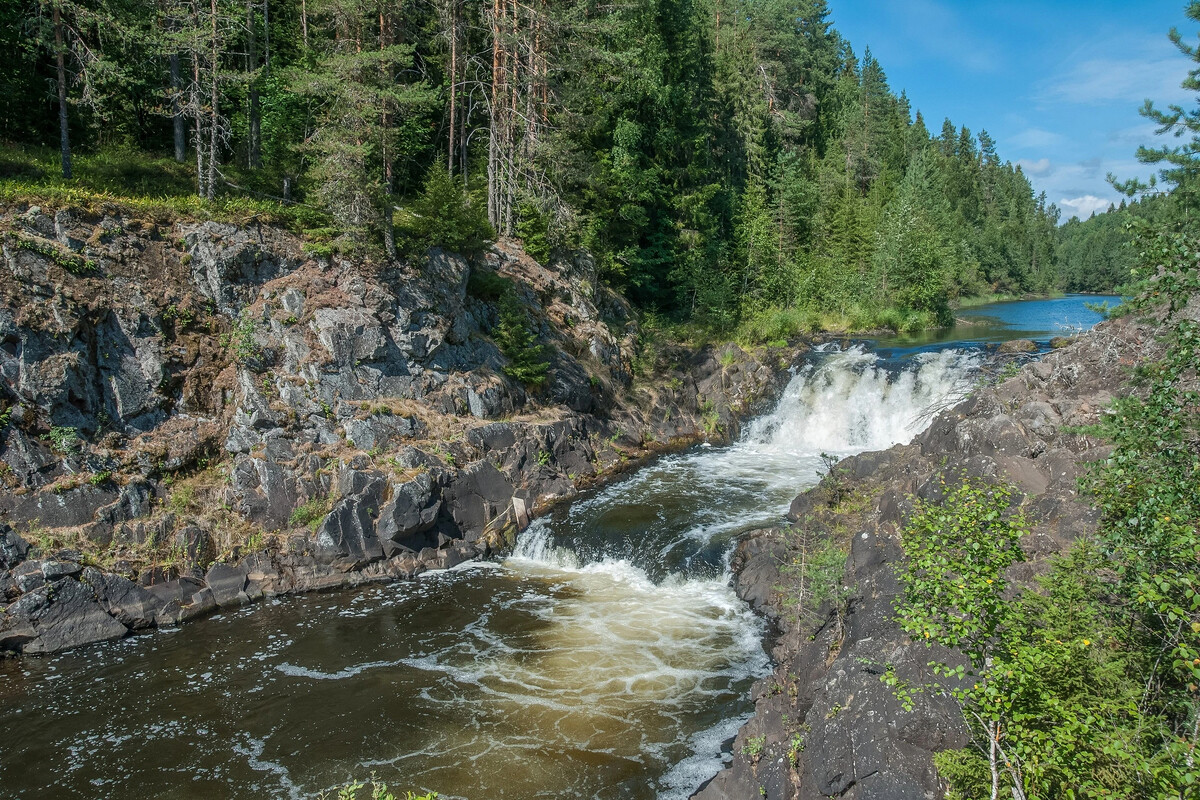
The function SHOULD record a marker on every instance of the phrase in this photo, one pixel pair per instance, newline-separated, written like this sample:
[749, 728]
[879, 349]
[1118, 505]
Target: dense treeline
[719, 157]
[1098, 254]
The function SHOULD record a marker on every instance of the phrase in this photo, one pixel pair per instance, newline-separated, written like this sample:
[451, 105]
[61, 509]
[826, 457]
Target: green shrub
[527, 360]
[486, 285]
[444, 215]
[64, 440]
[533, 228]
[377, 790]
[311, 512]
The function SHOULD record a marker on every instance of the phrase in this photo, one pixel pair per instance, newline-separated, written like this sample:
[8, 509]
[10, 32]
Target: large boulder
[130, 604]
[13, 548]
[348, 531]
[61, 615]
[478, 495]
[407, 518]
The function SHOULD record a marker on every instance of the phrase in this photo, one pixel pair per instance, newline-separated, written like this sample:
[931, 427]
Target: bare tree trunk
[64, 132]
[214, 113]
[177, 120]
[255, 149]
[194, 103]
[304, 22]
[511, 136]
[494, 114]
[994, 758]
[387, 220]
[462, 143]
[453, 80]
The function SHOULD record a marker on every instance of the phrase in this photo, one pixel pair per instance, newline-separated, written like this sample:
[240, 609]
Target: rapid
[608, 657]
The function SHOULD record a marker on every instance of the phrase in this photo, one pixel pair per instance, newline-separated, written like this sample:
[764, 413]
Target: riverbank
[197, 415]
[830, 722]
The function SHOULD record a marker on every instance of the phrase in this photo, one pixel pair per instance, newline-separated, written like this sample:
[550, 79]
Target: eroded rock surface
[210, 413]
[825, 725]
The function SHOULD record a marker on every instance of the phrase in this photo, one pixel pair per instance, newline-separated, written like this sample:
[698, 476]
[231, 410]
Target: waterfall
[646, 559]
[679, 514]
[849, 402]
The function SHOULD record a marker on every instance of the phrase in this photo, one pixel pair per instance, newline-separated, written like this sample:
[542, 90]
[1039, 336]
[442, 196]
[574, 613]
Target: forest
[729, 161]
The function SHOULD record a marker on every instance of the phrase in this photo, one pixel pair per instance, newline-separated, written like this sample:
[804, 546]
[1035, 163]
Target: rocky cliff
[195, 414]
[825, 725]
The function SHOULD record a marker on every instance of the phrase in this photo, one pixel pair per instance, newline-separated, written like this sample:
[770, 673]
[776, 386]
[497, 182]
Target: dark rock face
[59, 616]
[204, 390]
[825, 725]
[406, 519]
[349, 530]
[12, 548]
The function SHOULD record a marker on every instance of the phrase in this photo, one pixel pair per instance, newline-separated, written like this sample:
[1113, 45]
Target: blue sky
[1057, 84]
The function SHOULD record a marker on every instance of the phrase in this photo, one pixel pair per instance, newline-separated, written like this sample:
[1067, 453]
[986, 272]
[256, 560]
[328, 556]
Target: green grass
[1001, 297]
[777, 325]
[135, 182]
[311, 512]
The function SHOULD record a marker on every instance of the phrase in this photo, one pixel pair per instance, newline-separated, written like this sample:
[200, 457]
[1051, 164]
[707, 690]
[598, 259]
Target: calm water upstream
[607, 658]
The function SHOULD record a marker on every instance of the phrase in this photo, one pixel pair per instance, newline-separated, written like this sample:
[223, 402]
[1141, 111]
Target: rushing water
[608, 658]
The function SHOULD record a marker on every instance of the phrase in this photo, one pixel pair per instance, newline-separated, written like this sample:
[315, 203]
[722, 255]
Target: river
[607, 658]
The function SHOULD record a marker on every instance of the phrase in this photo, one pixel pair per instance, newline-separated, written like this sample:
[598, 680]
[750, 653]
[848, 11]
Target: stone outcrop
[825, 725]
[211, 413]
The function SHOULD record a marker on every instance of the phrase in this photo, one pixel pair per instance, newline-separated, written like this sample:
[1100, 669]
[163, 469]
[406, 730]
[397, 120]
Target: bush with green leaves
[377, 790]
[445, 215]
[527, 360]
[1090, 686]
[64, 440]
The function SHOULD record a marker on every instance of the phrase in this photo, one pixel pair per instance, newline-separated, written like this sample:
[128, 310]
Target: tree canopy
[718, 157]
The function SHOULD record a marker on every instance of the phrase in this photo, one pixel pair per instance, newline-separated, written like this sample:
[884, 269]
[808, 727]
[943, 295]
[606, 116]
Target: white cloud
[1083, 207]
[1131, 137]
[1152, 69]
[1039, 168]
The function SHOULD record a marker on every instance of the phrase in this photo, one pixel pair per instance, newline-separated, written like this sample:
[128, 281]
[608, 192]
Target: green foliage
[486, 285]
[182, 499]
[64, 440]
[717, 159]
[444, 215]
[815, 572]
[377, 790]
[1087, 687]
[514, 335]
[754, 747]
[240, 340]
[311, 512]
[533, 227]
[72, 263]
[957, 552]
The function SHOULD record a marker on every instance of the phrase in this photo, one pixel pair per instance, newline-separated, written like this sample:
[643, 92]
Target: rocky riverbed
[825, 725]
[194, 415]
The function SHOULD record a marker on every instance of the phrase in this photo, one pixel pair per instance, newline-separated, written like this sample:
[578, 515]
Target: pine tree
[527, 360]
[355, 82]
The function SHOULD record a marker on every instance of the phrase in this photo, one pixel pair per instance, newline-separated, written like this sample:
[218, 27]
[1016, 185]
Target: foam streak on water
[648, 556]
[607, 659]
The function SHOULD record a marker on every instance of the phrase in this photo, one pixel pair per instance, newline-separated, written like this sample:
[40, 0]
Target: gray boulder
[63, 615]
[412, 512]
[228, 584]
[133, 606]
[13, 548]
[348, 531]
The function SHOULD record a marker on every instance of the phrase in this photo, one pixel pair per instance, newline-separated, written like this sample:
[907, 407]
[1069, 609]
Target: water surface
[608, 658]
[988, 325]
